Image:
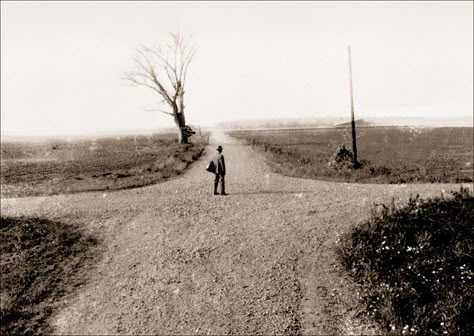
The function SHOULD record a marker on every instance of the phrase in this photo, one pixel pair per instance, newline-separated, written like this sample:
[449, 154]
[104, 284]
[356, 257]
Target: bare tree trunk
[182, 137]
[181, 124]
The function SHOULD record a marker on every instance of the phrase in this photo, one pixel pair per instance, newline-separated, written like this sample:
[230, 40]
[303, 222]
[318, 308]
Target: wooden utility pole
[355, 163]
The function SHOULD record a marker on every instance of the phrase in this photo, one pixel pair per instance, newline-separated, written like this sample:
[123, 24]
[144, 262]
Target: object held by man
[210, 167]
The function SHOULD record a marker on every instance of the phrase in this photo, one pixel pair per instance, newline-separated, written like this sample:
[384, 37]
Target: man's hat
[219, 147]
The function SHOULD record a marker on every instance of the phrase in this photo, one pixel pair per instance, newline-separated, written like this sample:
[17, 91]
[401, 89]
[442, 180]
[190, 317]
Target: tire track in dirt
[179, 260]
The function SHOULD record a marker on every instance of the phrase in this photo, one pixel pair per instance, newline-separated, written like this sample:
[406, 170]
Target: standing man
[219, 165]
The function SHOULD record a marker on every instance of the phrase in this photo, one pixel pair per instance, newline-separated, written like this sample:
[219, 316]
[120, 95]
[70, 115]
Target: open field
[54, 167]
[390, 154]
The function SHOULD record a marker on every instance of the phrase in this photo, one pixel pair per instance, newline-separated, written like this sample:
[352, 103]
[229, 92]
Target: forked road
[179, 260]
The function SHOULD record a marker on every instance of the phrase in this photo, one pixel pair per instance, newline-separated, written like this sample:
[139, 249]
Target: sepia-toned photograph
[237, 168]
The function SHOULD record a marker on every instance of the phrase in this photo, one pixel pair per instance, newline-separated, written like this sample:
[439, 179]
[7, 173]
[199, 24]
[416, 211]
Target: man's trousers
[219, 178]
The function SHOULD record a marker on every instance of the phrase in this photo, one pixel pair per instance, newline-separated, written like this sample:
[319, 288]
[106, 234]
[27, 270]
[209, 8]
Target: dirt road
[179, 260]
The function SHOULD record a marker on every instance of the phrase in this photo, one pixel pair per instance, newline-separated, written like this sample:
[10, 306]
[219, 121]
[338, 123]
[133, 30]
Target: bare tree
[163, 69]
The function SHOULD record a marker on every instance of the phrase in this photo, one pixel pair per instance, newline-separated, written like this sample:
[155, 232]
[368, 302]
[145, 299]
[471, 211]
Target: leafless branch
[158, 110]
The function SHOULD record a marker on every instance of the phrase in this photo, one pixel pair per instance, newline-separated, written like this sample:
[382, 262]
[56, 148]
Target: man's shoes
[216, 193]
[224, 194]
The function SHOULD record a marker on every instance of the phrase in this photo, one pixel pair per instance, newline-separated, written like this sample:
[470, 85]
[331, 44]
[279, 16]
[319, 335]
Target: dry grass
[40, 260]
[57, 167]
[389, 154]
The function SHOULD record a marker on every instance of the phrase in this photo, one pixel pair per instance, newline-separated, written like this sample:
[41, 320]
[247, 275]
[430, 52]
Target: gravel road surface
[178, 260]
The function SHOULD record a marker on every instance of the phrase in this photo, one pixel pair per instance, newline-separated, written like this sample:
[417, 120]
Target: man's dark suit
[219, 164]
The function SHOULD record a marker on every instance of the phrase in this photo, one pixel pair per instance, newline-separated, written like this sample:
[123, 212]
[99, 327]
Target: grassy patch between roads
[40, 260]
[389, 154]
[61, 166]
[415, 265]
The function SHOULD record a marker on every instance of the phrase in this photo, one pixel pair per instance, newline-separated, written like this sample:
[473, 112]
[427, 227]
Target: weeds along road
[178, 260]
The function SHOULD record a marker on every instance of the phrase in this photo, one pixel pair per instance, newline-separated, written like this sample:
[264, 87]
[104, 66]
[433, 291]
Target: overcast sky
[62, 62]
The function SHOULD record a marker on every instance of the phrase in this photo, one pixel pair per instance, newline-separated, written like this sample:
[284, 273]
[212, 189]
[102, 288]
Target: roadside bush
[415, 265]
[39, 263]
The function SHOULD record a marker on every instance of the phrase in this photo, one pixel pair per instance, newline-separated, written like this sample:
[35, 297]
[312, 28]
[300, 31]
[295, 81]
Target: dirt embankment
[179, 260]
